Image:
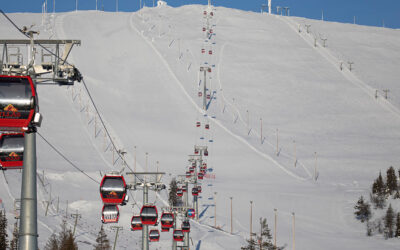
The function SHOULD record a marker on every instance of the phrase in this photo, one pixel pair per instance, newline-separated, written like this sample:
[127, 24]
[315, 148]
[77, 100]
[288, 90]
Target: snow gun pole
[173, 241]
[186, 236]
[28, 224]
[145, 230]
[196, 202]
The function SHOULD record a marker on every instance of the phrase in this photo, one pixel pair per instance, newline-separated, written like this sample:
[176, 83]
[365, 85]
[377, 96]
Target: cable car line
[65, 158]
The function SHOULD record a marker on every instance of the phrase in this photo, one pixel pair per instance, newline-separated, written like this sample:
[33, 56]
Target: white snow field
[142, 70]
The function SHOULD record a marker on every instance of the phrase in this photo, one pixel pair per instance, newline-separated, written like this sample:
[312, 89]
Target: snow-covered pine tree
[391, 181]
[102, 241]
[389, 222]
[3, 230]
[173, 197]
[363, 211]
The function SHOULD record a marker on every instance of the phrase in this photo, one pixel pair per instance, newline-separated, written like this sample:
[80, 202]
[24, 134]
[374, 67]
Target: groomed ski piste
[142, 70]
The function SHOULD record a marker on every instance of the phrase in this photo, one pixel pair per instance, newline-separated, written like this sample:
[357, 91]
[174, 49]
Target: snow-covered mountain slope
[142, 70]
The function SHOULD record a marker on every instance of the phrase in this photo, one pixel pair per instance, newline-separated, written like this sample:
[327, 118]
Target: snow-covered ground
[142, 70]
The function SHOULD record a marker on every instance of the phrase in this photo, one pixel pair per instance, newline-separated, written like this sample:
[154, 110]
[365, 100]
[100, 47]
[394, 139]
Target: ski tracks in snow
[239, 138]
[346, 72]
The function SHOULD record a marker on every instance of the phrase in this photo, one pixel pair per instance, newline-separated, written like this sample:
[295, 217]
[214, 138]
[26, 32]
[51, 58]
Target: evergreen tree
[3, 231]
[14, 241]
[391, 181]
[173, 197]
[397, 233]
[52, 243]
[389, 222]
[397, 195]
[363, 211]
[66, 239]
[262, 240]
[380, 185]
[378, 200]
[102, 241]
[251, 245]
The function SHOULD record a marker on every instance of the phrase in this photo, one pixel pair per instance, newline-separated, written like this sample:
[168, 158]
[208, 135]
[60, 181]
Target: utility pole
[231, 216]
[117, 228]
[248, 118]
[76, 216]
[293, 231]
[261, 129]
[251, 219]
[315, 167]
[276, 217]
[174, 227]
[147, 156]
[134, 165]
[66, 210]
[277, 142]
[215, 209]
[76, 5]
[295, 153]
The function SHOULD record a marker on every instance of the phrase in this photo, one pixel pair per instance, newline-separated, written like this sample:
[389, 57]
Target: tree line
[382, 191]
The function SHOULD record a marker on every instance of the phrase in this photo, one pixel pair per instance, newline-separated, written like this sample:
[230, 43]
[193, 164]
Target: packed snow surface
[142, 70]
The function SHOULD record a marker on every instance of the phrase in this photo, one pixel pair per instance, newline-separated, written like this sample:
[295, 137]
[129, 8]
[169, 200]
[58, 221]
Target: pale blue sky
[367, 12]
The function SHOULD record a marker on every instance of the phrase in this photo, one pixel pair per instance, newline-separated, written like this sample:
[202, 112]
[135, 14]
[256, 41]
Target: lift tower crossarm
[57, 70]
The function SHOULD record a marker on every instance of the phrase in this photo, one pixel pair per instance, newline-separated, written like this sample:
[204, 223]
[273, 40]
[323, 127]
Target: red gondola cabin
[17, 102]
[110, 214]
[113, 189]
[200, 176]
[178, 235]
[149, 215]
[12, 150]
[179, 192]
[154, 235]
[186, 226]
[136, 223]
[195, 192]
[167, 220]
